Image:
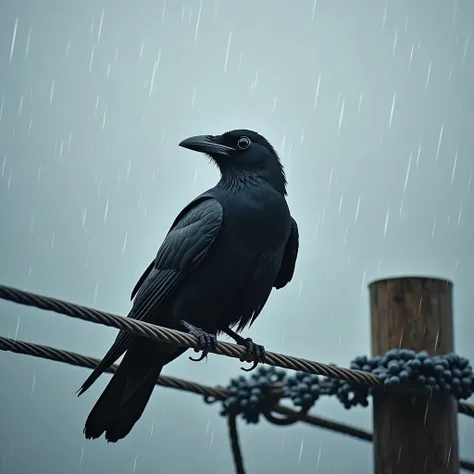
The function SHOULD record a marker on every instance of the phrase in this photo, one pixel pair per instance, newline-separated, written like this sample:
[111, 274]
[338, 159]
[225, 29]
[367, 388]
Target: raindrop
[418, 154]
[301, 451]
[92, 57]
[299, 290]
[407, 175]
[227, 52]
[68, 46]
[275, 99]
[17, 329]
[155, 67]
[394, 44]
[394, 98]
[357, 208]
[362, 286]
[96, 104]
[387, 218]
[124, 242]
[81, 457]
[439, 142]
[316, 94]
[12, 47]
[104, 118]
[454, 166]
[341, 116]
[459, 216]
[2, 105]
[241, 59]
[84, 217]
[106, 211]
[28, 39]
[428, 75]
[163, 11]
[401, 210]
[198, 21]
[100, 25]
[466, 46]
[33, 384]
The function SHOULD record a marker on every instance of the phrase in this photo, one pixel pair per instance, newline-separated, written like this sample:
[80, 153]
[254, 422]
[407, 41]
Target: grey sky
[370, 105]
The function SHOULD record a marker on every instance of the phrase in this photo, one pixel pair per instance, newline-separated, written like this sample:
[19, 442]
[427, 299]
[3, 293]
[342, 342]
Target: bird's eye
[243, 143]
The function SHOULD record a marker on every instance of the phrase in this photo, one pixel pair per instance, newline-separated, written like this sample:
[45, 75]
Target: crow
[213, 273]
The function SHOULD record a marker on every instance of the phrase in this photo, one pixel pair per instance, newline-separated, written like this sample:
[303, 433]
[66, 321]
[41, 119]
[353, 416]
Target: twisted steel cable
[163, 334]
[79, 360]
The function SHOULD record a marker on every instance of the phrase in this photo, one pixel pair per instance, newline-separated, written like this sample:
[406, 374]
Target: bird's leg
[254, 352]
[207, 342]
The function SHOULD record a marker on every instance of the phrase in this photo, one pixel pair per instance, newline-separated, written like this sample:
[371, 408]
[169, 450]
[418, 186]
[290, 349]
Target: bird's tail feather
[124, 399]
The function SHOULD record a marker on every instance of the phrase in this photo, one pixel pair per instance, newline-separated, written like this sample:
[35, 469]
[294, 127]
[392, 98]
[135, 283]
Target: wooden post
[413, 434]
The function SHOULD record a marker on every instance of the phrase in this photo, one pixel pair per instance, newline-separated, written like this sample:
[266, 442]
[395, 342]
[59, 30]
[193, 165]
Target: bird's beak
[206, 144]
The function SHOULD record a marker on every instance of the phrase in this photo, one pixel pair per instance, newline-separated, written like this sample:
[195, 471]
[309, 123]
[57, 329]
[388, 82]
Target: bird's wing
[148, 270]
[186, 244]
[288, 263]
[142, 279]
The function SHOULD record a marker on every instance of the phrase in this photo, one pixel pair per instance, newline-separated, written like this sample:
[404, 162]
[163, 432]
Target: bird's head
[241, 154]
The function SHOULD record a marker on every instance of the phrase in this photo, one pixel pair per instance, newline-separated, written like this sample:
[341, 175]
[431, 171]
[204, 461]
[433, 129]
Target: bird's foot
[207, 342]
[255, 353]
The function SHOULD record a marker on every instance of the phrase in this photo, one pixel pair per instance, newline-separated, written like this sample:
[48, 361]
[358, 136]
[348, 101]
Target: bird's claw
[255, 353]
[207, 342]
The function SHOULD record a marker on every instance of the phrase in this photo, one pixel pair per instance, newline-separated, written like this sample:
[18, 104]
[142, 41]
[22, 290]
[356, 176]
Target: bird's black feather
[288, 263]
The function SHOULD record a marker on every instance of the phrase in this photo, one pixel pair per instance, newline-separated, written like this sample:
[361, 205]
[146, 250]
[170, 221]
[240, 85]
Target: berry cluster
[247, 395]
[447, 373]
[304, 389]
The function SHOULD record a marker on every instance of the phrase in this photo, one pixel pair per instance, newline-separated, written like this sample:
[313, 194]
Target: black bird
[214, 271]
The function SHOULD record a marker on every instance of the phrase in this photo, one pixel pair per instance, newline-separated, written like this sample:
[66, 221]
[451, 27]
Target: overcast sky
[370, 106]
